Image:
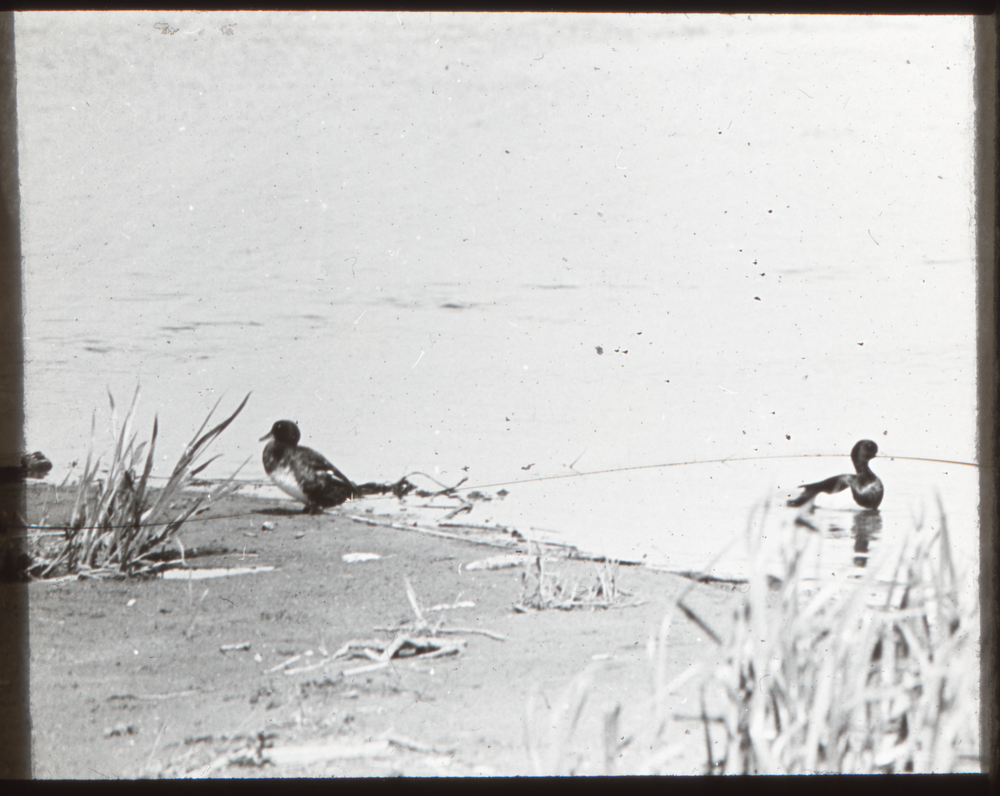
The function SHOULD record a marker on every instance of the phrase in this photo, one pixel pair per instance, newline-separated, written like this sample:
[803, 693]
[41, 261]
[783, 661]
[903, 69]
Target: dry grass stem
[545, 589]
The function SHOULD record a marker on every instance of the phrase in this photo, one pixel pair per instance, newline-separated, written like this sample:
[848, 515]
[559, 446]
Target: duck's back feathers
[321, 482]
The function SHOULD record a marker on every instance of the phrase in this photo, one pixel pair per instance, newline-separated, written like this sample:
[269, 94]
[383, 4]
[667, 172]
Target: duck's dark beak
[267, 436]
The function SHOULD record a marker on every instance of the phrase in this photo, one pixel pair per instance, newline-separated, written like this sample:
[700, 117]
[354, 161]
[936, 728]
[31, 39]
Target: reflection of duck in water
[302, 472]
[867, 526]
[865, 485]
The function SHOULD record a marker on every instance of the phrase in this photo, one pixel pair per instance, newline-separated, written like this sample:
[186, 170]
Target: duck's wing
[832, 485]
[316, 472]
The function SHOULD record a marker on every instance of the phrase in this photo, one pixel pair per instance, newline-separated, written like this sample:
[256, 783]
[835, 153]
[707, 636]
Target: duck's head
[863, 452]
[285, 431]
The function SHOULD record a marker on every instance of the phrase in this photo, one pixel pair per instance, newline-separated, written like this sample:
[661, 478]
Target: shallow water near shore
[514, 248]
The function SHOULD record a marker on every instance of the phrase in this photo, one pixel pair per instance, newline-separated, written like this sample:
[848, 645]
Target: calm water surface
[516, 244]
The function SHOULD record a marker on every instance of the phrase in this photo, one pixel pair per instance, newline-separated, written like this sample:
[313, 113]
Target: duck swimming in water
[865, 485]
[302, 472]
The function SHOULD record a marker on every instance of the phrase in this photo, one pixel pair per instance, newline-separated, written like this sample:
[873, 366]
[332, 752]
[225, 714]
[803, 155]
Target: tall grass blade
[112, 530]
[182, 469]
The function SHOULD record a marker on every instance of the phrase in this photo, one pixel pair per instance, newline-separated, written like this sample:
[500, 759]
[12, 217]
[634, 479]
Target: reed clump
[544, 588]
[119, 523]
[876, 674]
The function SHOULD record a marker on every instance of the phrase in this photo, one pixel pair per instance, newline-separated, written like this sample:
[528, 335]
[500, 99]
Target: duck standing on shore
[865, 485]
[302, 472]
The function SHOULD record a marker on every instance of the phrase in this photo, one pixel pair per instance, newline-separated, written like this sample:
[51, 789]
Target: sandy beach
[154, 677]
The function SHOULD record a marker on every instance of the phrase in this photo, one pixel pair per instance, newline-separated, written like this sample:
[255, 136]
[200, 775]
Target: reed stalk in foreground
[118, 522]
[876, 674]
[873, 675]
[869, 676]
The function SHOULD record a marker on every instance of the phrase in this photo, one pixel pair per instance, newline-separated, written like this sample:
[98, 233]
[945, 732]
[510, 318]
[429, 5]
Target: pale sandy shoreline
[167, 678]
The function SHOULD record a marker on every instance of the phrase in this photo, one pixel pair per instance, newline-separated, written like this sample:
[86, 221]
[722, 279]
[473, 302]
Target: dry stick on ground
[487, 633]
[421, 623]
[422, 641]
[411, 595]
[156, 697]
[381, 653]
[438, 629]
[404, 486]
[284, 664]
[416, 746]
[450, 606]
[429, 532]
[452, 630]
